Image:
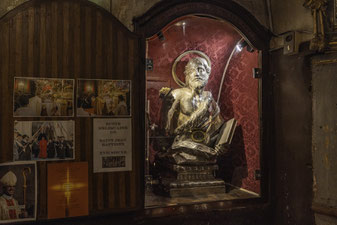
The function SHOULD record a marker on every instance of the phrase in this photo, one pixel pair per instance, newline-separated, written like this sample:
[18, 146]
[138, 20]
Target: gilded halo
[174, 75]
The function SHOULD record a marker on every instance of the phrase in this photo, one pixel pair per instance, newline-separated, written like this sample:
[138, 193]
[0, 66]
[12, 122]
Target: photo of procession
[18, 192]
[103, 98]
[36, 97]
[43, 140]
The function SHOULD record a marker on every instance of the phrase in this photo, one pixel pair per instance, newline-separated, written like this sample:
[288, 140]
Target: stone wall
[287, 15]
[290, 15]
[126, 10]
[324, 137]
[292, 167]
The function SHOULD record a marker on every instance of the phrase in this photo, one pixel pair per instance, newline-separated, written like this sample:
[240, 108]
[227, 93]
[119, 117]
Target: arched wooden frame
[166, 11]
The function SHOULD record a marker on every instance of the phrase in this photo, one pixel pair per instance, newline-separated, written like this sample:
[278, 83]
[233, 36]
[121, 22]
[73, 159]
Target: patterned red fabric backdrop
[239, 95]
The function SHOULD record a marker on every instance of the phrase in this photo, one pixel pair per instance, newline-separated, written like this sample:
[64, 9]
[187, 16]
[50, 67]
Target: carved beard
[197, 84]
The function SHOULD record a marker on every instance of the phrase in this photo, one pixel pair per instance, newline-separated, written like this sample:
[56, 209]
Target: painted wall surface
[257, 8]
[324, 136]
[126, 10]
[102, 3]
[287, 15]
[325, 220]
[290, 15]
[7, 5]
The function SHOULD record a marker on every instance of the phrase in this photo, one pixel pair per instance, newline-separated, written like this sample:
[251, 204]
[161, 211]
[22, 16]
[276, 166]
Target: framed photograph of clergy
[103, 98]
[18, 197]
[44, 140]
[43, 97]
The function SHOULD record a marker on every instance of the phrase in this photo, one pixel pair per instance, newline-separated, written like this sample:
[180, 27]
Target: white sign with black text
[112, 145]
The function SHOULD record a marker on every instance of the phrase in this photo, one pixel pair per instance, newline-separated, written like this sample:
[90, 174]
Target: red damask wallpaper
[239, 95]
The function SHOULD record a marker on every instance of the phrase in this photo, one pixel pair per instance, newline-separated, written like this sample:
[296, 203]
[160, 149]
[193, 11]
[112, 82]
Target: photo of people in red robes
[43, 140]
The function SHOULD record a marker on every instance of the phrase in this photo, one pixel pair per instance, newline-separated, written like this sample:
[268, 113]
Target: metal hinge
[149, 64]
[257, 175]
[257, 73]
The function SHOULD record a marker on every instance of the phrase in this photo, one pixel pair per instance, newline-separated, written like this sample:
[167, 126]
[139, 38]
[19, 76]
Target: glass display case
[202, 114]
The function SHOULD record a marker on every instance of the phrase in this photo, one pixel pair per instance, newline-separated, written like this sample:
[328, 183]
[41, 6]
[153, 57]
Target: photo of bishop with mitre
[18, 192]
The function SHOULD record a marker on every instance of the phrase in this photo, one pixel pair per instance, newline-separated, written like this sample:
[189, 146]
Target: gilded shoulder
[208, 94]
[179, 92]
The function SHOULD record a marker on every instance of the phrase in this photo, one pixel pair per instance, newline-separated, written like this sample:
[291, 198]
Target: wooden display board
[73, 39]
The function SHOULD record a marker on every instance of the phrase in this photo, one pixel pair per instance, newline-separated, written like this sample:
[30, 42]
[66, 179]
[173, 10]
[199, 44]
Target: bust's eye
[201, 69]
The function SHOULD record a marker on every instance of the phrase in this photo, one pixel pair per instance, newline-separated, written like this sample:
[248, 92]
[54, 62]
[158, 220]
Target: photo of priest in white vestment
[18, 192]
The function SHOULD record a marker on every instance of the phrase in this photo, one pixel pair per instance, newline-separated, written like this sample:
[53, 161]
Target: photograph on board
[18, 192]
[43, 140]
[43, 97]
[103, 98]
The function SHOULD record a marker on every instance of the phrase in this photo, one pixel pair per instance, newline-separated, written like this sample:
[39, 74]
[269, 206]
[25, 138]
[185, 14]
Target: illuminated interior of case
[233, 86]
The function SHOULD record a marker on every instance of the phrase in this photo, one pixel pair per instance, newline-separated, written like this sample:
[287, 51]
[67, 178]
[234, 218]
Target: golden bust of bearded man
[193, 118]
